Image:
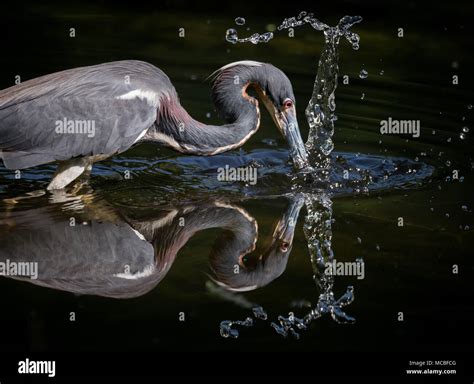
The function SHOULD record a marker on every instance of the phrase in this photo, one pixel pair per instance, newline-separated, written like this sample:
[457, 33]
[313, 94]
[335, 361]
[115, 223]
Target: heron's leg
[88, 170]
[68, 171]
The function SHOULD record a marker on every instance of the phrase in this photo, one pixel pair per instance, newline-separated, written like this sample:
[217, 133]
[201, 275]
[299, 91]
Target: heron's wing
[100, 258]
[99, 110]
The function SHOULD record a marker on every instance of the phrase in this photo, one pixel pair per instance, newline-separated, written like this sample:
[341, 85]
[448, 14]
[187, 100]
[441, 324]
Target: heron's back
[97, 110]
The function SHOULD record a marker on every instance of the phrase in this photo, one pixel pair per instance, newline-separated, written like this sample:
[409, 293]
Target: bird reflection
[318, 233]
[89, 247]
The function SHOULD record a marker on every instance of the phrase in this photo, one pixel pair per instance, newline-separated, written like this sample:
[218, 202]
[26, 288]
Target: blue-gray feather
[29, 111]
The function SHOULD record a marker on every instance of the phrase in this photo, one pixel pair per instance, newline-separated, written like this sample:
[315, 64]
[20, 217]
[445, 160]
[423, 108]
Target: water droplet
[448, 163]
[465, 129]
[462, 136]
[254, 38]
[231, 36]
[464, 208]
[363, 74]
[449, 140]
[208, 115]
[469, 106]
[266, 37]
[302, 14]
[239, 21]
[359, 240]
[259, 313]
[362, 96]
[447, 215]
[377, 247]
[381, 72]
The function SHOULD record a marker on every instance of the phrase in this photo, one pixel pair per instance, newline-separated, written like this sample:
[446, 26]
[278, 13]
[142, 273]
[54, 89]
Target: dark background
[410, 272]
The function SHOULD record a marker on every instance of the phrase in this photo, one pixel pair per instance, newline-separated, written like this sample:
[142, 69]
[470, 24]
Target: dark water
[408, 269]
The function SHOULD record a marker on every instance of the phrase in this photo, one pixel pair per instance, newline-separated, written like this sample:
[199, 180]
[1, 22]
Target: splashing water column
[318, 232]
[320, 112]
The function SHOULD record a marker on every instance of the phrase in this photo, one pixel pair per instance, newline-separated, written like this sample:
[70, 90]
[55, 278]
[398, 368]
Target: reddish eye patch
[287, 103]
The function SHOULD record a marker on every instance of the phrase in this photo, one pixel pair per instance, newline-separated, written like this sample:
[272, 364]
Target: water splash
[226, 329]
[325, 305]
[302, 19]
[227, 326]
[317, 229]
[342, 29]
[259, 313]
[318, 233]
[320, 112]
[232, 36]
[289, 326]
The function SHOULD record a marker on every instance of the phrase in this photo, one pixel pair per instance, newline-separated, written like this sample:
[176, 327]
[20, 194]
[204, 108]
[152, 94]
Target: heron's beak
[288, 124]
[285, 229]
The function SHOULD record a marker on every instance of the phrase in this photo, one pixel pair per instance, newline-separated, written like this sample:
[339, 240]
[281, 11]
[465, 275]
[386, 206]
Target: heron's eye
[284, 246]
[287, 103]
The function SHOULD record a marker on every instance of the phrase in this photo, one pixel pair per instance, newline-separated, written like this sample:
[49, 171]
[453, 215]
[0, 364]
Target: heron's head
[239, 268]
[274, 90]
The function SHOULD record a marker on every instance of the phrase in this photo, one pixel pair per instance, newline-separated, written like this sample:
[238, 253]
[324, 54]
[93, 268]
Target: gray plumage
[122, 258]
[112, 106]
[29, 111]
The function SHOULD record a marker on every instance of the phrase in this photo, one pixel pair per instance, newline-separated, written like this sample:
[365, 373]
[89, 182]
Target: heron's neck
[177, 129]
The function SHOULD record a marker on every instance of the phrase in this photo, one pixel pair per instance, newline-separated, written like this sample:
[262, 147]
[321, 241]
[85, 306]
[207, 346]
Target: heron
[83, 115]
[123, 257]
